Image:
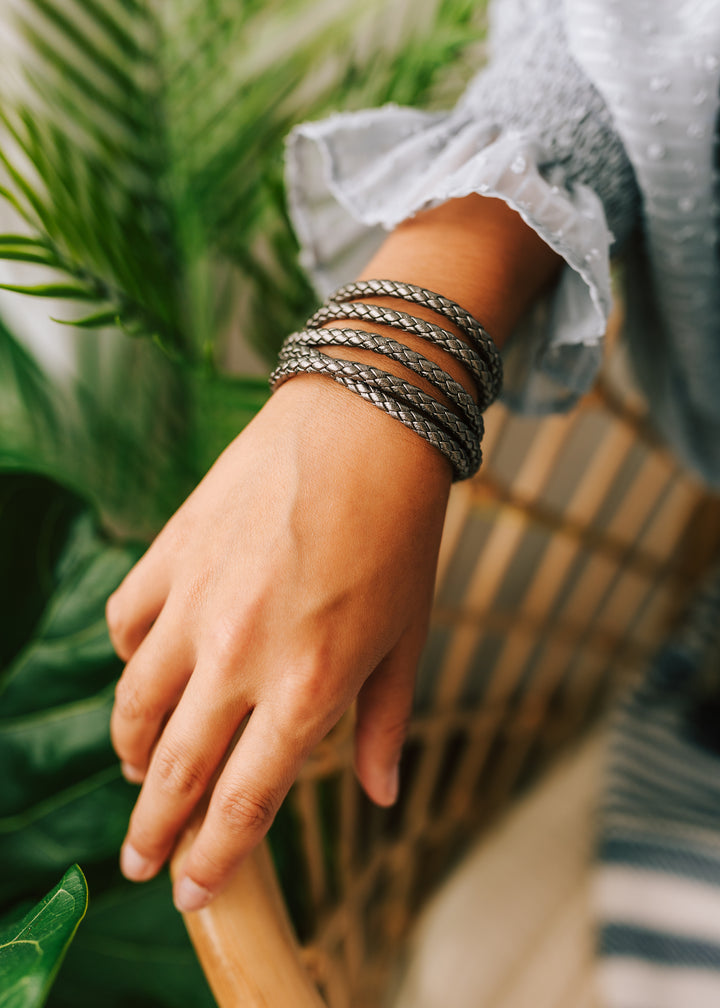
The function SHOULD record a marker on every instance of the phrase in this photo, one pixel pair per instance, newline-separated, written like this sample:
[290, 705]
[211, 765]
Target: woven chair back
[563, 564]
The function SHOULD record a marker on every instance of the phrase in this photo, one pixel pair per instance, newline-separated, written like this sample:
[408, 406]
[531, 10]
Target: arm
[297, 577]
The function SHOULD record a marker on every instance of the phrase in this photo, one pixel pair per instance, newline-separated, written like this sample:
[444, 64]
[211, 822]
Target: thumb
[384, 706]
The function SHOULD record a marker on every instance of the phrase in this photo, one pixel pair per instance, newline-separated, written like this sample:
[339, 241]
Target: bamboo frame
[248, 925]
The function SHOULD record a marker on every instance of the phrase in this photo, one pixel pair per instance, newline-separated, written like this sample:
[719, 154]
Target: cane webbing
[562, 564]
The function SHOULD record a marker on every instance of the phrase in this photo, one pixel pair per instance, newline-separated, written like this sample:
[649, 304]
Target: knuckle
[210, 865]
[247, 810]
[130, 702]
[177, 773]
[386, 735]
[147, 841]
[224, 641]
[195, 590]
[310, 690]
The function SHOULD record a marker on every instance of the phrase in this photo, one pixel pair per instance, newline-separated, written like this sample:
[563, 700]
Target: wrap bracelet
[456, 432]
[390, 348]
[485, 381]
[436, 303]
[398, 398]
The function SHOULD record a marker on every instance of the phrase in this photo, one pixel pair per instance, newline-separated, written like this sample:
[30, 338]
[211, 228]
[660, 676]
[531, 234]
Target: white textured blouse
[597, 121]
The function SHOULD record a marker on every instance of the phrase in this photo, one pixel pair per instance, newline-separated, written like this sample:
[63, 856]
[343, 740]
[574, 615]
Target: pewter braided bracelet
[396, 397]
[435, 302]
[485, 381]
[457, 437]
[390, 384]
[410, 359]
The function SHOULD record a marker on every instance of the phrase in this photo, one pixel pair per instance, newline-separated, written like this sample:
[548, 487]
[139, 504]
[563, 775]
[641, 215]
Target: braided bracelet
[396, 397]
[486, 382]
[457, 437]
[435, 302]
[390, 348]
[311, 360]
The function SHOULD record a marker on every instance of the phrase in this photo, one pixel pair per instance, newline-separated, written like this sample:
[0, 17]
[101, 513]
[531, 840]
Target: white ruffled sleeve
[530, 130]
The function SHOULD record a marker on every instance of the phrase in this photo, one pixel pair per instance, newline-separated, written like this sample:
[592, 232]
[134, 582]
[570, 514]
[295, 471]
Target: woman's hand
[297, 577]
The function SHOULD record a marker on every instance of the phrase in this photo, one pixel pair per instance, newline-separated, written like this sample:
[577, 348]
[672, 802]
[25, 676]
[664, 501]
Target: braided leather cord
[485, 381]
[396, 397]
[435, 302]
[420, 365]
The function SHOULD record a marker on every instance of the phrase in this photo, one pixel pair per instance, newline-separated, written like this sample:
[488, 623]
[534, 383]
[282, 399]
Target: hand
[297, 577]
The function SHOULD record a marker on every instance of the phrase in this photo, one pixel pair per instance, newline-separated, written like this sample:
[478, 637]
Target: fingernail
[134, 866]
[132, 773]
[189, 896]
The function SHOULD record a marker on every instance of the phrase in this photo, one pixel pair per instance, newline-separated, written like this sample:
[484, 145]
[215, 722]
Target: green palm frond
[142, 159]
[85, 162]
[125, 450]
[28, 401]
[148, 148]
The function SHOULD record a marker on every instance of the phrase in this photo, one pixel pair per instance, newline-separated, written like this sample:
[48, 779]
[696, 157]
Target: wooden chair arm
[245, 942]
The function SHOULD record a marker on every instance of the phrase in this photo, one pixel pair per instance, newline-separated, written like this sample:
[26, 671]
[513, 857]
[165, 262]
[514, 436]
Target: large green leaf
[132, 950]
[62, 797]
[32, 949]
[35, 516]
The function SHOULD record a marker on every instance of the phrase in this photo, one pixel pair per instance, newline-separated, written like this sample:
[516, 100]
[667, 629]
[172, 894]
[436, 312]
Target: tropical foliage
[140, 173]
[32, 949]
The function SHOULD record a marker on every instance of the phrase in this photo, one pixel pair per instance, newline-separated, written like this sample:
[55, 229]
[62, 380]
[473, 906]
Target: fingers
[384, 706]
[148, 690]
[243, 805]
[192, 746]
[136, 603]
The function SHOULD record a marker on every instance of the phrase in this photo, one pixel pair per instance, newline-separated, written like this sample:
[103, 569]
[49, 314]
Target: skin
[298, 578]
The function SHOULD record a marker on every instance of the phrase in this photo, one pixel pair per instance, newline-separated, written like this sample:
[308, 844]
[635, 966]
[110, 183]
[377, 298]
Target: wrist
[476, 251]
[449, 418]
[339, 428]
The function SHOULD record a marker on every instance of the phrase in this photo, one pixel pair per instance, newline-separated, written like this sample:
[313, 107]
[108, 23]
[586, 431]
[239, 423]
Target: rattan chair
[563, 563]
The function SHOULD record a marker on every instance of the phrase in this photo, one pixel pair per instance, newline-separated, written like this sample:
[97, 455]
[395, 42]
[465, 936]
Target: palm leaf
[94, 434]
[143, 159]
[149, 147]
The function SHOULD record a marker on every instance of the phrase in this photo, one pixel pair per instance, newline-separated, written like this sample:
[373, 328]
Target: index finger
[244, 802]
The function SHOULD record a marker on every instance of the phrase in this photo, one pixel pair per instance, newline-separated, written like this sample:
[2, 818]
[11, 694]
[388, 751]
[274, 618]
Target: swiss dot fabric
[596, 121]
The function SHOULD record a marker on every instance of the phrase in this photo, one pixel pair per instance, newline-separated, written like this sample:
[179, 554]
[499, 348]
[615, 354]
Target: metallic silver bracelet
[390, 348]
[456, 436]
[390, 384]
[435, 302]
[400, 399]
[486, 383]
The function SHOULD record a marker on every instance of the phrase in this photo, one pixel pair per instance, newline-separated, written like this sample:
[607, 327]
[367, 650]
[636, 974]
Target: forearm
[297, 577]
[475, 251]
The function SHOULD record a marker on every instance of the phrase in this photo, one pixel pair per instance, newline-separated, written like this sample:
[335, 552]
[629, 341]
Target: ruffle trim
[353, 177]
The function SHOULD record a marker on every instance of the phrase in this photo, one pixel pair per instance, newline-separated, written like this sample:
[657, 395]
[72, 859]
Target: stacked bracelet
[485, 380]
[456, 434]
[470, 326]
[413, 361]
[396, 397]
